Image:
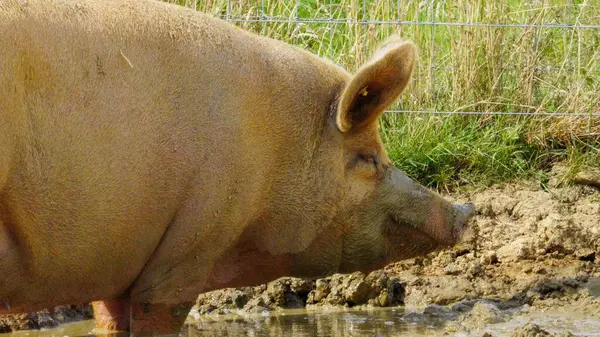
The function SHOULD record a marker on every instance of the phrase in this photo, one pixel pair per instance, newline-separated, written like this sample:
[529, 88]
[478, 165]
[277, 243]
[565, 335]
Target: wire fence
[554, 71]
[276, 19]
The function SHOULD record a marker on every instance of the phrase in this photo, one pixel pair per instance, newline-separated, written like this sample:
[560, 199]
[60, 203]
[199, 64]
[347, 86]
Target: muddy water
[379, 322]
[301, 323]
[350, 322]
[83, 328]
[553, 322]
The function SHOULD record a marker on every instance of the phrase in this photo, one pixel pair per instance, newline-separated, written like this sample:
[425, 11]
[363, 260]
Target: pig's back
[109, 110]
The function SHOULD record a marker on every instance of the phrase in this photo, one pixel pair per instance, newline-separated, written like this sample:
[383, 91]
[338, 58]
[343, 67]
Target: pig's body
[149, 153]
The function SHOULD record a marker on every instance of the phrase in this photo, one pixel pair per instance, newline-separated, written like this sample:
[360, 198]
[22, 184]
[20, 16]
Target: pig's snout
[462, 214]
[444, 222]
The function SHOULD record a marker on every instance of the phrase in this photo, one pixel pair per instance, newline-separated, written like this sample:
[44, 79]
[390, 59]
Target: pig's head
[379, 214]
[336, 202]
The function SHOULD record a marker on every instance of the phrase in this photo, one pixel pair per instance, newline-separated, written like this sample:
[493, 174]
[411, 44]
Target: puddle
[83, 328]
[350, 322]
[375, 322]
[340, 322]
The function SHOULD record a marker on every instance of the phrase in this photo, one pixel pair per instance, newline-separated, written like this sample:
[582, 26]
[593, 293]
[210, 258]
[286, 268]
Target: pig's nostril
[468, 209]
[463, 213]
[465, 209]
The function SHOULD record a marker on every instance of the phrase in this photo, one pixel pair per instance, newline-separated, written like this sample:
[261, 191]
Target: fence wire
[432, 23]
[281, 19]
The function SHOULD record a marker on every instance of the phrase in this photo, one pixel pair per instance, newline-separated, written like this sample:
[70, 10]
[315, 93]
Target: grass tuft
[462, 68]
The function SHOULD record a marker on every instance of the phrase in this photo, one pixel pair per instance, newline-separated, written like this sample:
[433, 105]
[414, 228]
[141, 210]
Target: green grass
[463, 68]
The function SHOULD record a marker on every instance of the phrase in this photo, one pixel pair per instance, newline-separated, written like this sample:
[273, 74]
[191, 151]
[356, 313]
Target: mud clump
[482, 314]
[45, 319]
[530, 330]
[527, 240]
[533, 330]
[376, 289]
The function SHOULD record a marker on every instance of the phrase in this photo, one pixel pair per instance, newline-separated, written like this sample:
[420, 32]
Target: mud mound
[531, 330]
[526, 240]
[375, 289]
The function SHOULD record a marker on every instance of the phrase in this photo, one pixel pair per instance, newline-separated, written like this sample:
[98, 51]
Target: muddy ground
[534, 248]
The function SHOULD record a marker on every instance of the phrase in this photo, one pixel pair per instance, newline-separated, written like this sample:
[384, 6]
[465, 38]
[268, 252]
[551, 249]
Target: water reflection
[381, 322]
[350, 322]
[83, 328]
[300, 323]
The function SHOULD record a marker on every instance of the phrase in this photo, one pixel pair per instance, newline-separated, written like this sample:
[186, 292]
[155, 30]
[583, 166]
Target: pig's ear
[376, 84]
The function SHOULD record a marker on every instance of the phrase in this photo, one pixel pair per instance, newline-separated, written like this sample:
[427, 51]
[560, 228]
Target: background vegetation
[462, 68]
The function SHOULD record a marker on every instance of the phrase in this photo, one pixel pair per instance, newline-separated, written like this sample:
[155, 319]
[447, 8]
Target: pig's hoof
[141, 319]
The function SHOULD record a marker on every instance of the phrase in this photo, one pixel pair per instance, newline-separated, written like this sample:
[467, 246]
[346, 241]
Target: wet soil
[532, 250]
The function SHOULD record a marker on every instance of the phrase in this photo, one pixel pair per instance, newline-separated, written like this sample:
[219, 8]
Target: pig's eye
[369, 159]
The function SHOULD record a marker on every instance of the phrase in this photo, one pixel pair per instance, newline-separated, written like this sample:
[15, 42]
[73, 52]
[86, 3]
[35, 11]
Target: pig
[149, 153]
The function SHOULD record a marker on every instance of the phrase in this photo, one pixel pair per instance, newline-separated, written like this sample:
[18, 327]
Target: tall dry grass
[484, 68]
